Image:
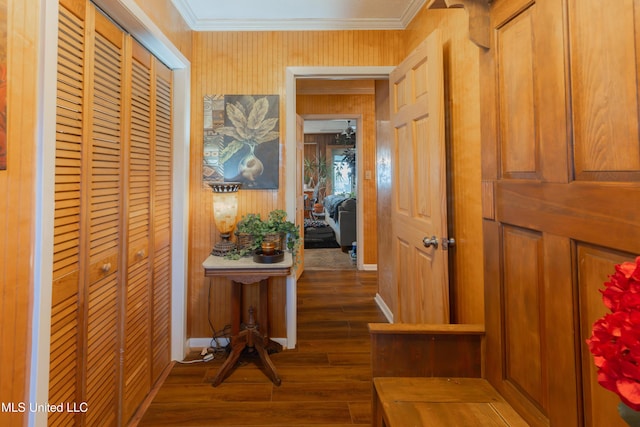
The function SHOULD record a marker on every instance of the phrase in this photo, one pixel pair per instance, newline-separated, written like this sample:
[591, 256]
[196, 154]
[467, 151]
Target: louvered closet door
[85, 308]
[161, 218]
[65, 311]
[137, 351]
[102, 355]
[110, 324]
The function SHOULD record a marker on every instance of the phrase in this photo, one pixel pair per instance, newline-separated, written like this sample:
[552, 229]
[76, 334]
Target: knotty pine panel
[17, 186]
[255, 63]
[363, 105]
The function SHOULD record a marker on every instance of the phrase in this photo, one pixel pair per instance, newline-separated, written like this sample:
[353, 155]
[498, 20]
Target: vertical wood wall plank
[17, 186]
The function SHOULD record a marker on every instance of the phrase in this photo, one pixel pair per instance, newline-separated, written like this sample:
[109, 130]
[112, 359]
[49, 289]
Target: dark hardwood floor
[326, 380]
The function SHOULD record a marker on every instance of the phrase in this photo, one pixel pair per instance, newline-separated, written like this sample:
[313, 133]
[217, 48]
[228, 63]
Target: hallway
[326, 380]
[327, 259]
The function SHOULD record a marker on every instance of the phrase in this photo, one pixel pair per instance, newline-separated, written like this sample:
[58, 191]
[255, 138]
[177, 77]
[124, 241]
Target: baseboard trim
[384, 307]
[200, 343]
[370, 267]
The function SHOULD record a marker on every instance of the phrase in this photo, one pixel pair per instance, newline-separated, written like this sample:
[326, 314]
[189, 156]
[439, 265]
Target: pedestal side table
[246, 271]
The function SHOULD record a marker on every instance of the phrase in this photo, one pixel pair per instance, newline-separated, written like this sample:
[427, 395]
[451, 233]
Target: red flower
[623, 289]
[615, 339]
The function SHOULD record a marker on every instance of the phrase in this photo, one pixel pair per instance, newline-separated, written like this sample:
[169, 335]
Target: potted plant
[290, 233]
[316, 171]
[249, 232]
[252, 230]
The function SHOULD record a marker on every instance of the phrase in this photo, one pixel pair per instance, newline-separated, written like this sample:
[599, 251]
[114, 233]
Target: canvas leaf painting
[242, 140]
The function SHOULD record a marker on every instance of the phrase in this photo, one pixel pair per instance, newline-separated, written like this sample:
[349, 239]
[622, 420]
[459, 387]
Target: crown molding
[296, 24]
[303, 24]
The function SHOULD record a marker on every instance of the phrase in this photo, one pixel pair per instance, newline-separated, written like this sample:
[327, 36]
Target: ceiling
[328, 126]
[280, 15]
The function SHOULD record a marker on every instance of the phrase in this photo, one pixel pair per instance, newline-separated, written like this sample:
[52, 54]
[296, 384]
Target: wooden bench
[432, 375]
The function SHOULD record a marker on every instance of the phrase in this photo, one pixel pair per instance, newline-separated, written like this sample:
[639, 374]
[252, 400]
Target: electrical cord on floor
[215, 347]
[226, 331]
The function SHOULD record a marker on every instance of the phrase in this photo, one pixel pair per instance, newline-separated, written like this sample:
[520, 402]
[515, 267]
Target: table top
[221, 266]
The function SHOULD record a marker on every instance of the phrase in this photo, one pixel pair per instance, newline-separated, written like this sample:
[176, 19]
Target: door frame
[291, 169]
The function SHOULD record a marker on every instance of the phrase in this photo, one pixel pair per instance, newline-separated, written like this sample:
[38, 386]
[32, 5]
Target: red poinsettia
[615, 339]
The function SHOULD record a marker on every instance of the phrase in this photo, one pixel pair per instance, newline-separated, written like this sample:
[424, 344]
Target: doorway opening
[294, 204]
[330, 191]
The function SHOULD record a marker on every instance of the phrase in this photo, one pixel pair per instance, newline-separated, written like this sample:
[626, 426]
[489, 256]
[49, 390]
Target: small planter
[245, 241]
[252, 231]
[277, 239]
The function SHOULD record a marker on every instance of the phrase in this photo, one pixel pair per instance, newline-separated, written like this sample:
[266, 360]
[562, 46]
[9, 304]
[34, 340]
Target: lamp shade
[225, 212]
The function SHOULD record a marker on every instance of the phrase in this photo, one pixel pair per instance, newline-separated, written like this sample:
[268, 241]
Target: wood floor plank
[254, 414]
[338, 391]
[326, 380]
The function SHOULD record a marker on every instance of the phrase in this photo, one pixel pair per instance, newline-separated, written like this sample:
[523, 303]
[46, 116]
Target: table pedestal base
[250, 337]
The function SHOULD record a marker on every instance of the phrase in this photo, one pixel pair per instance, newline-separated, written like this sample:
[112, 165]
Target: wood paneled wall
[17, 204]
[363, 105]
[165, 15]
[561, 165]
[255, 63]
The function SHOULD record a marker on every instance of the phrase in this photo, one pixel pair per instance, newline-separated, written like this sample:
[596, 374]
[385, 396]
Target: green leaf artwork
[242, 140]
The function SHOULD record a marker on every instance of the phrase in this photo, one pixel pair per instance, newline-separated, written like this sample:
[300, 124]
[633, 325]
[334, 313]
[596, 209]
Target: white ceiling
[274, 15]
[327, 126]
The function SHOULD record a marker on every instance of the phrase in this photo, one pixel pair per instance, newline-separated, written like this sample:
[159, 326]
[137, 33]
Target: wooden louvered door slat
[137, 351]
[161, 202]
[110, 322]
[64, 374]
[103, 299]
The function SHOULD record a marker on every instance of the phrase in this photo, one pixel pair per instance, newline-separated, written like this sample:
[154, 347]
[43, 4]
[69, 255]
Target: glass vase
[630, 416]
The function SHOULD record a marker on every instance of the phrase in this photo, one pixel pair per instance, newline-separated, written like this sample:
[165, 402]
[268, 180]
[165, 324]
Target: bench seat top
[443, 402]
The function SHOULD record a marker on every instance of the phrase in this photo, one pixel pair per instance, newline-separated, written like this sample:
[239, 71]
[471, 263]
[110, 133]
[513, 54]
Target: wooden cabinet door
[561, 191]
[419, 206]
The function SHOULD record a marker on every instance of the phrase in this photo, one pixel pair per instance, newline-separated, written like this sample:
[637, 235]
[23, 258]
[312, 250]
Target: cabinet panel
[604, 76]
